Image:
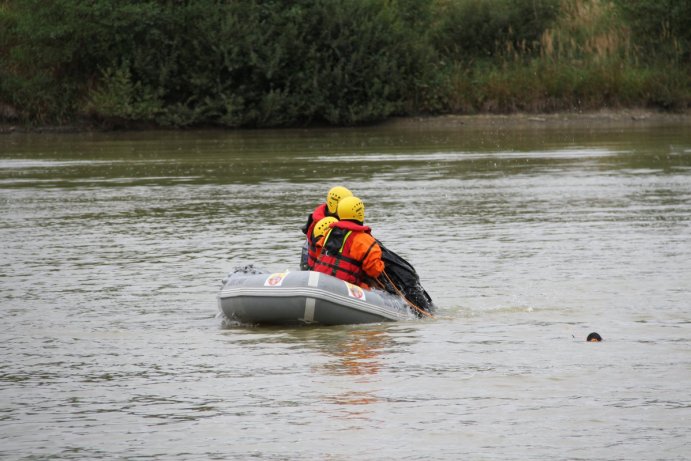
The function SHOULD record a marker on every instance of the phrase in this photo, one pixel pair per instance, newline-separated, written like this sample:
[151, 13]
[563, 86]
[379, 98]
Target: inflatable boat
[255, 297]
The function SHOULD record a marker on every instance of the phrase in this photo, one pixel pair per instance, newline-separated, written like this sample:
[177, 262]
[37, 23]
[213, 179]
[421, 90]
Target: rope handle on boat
[410, 303]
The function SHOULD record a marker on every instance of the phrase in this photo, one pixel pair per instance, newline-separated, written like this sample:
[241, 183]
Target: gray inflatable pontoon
[305, 298]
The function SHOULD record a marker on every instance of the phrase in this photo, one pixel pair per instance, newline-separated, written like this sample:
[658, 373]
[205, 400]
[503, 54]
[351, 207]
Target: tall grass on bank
[249, 63]
[587, 58]
[542, 86]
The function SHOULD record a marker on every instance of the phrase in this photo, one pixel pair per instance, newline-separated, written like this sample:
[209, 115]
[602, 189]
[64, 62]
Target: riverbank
[603, 118]
[595, 119]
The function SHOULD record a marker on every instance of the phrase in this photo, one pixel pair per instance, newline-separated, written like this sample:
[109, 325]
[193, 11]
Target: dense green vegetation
[252, 63]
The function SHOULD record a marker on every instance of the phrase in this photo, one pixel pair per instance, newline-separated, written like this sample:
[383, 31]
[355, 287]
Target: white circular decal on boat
[275, 280]
[355, 291]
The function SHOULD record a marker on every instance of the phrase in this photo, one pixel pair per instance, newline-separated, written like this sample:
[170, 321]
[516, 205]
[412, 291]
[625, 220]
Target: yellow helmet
[351, 208]
[334, 196]
[322, 226]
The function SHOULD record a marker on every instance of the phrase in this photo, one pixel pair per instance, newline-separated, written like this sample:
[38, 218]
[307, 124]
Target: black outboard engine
[399, 277]
[303, 257]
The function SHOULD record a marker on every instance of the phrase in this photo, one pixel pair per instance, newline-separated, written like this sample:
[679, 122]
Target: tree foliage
[261, 63]
[660, 27]
[472, 29]
[233, 63]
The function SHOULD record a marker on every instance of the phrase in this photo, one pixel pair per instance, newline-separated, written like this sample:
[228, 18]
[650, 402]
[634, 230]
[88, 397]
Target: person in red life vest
[329, 208]
[349, 251]
[315, 239]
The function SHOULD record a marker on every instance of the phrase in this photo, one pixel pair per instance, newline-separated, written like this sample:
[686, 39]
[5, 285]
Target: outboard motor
[303, 257]
[400, 278]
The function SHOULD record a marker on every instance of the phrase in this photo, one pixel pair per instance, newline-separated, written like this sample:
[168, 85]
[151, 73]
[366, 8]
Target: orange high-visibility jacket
[350, 253]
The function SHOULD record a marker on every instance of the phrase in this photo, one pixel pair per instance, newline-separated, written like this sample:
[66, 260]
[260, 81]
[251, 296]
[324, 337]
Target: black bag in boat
[399, 277]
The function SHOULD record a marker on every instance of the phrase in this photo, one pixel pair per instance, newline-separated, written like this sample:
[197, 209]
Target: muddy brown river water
[113, 247]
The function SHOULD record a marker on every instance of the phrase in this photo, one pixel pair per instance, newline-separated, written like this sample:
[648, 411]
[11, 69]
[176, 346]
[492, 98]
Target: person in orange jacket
[349, 251]
[324, 210]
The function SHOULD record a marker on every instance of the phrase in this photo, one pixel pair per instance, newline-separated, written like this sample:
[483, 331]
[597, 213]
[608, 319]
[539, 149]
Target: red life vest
[317, 215]
[336, 259]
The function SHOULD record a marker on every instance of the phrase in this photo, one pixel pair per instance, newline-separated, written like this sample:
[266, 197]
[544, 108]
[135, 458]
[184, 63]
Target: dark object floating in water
[594, 338]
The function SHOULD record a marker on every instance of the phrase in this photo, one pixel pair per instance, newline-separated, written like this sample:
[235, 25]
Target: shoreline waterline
[608, 118]
[602, 118]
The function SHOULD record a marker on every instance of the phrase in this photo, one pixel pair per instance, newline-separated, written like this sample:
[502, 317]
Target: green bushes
[252, 63]
[661, 28]
[236, 63]
[470, 29]
[586, 57]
